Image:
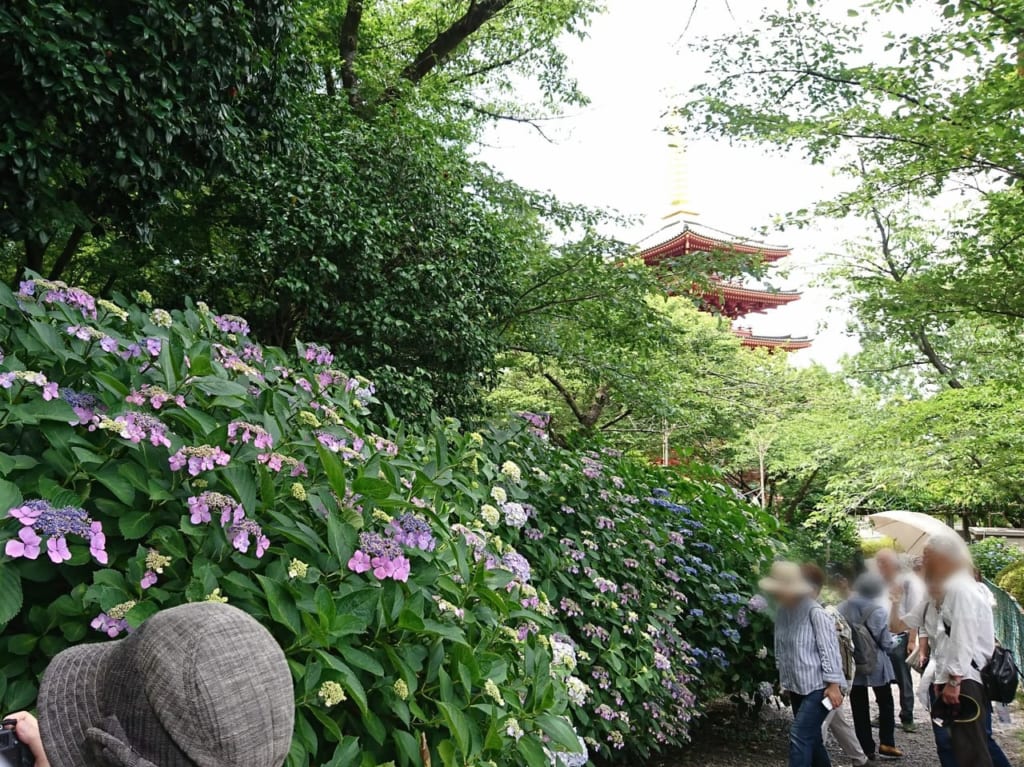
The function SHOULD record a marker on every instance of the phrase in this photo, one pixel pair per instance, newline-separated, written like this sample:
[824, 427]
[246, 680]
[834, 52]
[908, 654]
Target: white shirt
[925, 618]
[914, 593]
[970, 640]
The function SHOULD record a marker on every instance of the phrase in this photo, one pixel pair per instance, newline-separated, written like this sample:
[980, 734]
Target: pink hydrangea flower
[360, 562]
[25, 545]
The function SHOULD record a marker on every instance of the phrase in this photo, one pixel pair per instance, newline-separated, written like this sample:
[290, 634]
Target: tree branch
[566, 395]
[442, 46]
[348, 46]
[70, 248]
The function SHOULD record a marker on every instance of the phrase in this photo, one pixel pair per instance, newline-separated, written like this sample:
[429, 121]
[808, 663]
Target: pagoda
[720, 296]
[729, 298]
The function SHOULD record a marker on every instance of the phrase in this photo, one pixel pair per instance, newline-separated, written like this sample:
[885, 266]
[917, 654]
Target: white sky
[614, 154]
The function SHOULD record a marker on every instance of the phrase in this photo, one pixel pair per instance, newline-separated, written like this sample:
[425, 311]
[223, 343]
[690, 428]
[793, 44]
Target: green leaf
[281, 604]
[334, 470]
[220, 387]
[240, 479]
[362, 660]
[21, 644]
[141, 612]
[408, 748]
[10, 496]
[560, 732]
[10, 594]
[349, 680]
[532, 751]
[372, 487]
[136, 524]
[114, 481]
[458, 725]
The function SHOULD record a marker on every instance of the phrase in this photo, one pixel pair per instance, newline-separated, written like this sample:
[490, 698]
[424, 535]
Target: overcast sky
[614, 153]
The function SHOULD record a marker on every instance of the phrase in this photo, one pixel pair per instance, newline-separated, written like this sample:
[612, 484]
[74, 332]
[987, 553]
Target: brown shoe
[889, 752]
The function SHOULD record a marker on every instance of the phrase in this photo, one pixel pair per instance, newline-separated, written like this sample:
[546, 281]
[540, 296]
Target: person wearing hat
[807, 655]
[201, 685]
[870, 620]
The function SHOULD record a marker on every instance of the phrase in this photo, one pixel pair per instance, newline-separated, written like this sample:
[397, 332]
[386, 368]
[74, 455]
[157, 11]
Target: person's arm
[879, 628]
[27, 732]
[896, 621]
[827, 644]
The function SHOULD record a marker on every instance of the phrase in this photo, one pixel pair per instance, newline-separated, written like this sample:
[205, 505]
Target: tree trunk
[68, 253]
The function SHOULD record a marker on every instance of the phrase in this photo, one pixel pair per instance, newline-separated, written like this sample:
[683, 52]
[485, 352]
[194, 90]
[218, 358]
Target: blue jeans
[806, 747]
[944, 741]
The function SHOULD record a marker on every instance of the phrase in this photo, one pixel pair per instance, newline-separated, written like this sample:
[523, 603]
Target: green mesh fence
[1009, 621]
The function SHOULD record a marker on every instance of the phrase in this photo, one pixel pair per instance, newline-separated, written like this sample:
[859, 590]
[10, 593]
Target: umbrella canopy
[912, 529]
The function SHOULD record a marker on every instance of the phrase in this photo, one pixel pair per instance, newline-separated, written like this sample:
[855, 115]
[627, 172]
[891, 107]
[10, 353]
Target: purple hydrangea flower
[413, 531]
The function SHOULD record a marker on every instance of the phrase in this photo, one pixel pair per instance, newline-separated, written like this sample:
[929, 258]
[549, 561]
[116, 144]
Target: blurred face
[888, 565]
[841, 585]
[786, 600]
[939, 566]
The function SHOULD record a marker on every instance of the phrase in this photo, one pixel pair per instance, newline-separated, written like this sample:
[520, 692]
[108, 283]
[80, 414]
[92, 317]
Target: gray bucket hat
[201, 685]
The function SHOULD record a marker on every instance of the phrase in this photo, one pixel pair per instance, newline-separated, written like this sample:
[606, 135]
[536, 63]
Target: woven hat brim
[775, 587]
[69, 701]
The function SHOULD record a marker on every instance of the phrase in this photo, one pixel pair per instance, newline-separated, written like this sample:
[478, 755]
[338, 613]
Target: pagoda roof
[692, 241]
[736, 301]
[786, 343]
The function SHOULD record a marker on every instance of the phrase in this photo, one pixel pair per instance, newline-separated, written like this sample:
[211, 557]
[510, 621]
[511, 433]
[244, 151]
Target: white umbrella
[912, 529]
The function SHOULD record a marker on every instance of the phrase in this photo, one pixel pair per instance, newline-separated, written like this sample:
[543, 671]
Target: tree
[112, 110]
[913, 115]
[361, 219]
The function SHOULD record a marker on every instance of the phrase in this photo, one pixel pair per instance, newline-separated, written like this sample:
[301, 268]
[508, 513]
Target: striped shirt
[807, 649]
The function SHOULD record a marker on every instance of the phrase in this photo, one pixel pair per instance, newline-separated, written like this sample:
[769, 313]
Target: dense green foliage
[311, 170]
[467, 597]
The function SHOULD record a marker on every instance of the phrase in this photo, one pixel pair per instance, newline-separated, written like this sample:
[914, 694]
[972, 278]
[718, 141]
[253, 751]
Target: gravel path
[729, 740]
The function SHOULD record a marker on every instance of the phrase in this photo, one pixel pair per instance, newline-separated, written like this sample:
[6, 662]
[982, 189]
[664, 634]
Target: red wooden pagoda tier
[786, 343]
[735, 301]
[689, 241]
[730, 299]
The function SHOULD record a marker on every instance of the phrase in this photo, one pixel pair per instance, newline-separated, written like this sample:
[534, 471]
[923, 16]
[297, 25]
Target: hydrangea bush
[652, 577]
[450, 599]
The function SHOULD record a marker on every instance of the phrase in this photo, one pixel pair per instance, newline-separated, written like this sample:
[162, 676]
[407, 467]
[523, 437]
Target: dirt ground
[726, 740]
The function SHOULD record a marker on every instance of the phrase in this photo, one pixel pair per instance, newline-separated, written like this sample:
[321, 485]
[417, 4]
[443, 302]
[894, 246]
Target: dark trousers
[806, 747]
[861, 708]
[904, 680]
[944, 740]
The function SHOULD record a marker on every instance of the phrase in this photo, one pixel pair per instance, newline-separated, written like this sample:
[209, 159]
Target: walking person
[961, 642]
[807, 655]
[906, 591]
[837, 723]
[873, 641]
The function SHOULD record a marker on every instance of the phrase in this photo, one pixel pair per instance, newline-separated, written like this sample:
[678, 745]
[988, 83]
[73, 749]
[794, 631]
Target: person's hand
[951, 695]
[911, 647]
[835, 695]
[895, 593]
[27, 731]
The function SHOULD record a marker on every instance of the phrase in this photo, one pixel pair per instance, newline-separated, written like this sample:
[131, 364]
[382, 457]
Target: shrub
[993, 555]
[652, 576]
[150, 459]
[1011, 581]
[462, 598]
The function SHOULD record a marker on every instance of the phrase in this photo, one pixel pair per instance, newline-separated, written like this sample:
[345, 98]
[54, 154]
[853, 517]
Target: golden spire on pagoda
[679, 183]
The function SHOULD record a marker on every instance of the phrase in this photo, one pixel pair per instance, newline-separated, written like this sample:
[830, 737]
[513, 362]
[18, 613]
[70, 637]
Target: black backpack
[1001, 676]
